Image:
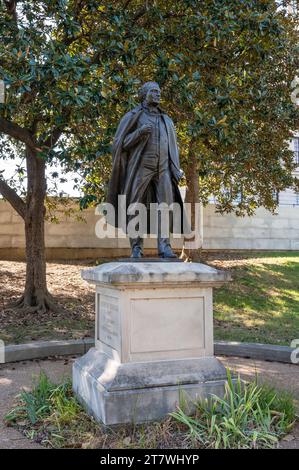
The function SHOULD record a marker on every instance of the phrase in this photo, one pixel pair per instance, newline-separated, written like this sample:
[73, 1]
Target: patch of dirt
[66, 285]
[291, 441]
[77, 297]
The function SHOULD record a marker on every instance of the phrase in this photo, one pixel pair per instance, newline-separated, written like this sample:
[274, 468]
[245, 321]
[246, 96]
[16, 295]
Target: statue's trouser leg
[160, 177]
[164, 194]
[140, 185]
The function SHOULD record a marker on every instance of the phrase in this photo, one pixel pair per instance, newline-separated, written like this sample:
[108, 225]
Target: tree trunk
[192, 197]
[36, 296]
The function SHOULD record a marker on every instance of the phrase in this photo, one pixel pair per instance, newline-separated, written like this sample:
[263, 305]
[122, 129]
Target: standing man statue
[146, 164]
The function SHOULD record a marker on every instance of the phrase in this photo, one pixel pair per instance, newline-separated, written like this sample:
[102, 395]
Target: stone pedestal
[153, 340]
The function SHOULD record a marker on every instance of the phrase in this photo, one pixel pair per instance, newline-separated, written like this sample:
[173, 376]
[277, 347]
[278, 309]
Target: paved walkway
[14, 377]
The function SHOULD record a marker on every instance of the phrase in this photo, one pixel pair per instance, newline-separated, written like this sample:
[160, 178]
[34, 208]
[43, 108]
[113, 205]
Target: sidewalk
[15, 376]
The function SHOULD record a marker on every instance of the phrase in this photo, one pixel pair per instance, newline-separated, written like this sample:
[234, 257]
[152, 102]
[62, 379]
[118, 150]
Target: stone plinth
[153, 340]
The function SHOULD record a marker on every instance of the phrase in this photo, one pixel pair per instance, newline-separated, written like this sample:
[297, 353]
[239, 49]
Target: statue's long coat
[125, 164]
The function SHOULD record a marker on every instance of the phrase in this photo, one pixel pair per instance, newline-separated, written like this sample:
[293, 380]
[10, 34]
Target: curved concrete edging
[42, 349]
[264, 352]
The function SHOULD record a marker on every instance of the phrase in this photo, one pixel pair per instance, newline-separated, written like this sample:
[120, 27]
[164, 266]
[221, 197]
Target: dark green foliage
[72, 68]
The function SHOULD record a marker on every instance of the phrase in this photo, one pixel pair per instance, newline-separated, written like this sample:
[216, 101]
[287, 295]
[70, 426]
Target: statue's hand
[146, 129]
[179, 174]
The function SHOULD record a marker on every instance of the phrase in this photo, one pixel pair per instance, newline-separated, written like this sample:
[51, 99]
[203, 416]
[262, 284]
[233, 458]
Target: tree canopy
[226, 70]
[72, 68]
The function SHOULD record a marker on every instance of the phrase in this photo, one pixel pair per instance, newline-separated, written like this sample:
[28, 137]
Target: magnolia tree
[235, 105]
[227, 73]
[66, 67]
[71, 68]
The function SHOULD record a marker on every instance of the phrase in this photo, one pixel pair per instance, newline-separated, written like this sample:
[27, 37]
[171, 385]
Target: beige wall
[264, 231]
[71, 239]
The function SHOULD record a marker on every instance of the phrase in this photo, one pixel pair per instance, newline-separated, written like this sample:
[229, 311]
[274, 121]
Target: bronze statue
[146, 164]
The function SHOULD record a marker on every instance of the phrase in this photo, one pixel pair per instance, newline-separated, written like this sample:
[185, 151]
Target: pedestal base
[153, 340]
[137, 392]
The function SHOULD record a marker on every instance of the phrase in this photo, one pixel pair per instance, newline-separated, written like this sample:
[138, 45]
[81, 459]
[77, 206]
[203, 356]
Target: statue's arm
[132, 139]
[177, 172]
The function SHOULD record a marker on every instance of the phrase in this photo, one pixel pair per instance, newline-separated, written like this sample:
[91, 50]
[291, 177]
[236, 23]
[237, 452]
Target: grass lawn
[262, 302]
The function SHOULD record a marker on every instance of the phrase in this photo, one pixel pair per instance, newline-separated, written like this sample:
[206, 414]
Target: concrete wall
[68, 239]
[77, 240]
[264, 231]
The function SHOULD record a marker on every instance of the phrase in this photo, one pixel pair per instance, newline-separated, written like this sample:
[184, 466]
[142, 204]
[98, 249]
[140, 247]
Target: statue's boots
[165, 250]
[137, 247]
[136, 252]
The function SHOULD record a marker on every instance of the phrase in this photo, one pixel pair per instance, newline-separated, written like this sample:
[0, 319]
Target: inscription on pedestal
[109, 321]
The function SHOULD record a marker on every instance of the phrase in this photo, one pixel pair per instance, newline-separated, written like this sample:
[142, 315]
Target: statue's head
[150, 93]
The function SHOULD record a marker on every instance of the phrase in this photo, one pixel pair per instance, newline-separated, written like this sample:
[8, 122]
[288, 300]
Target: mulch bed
[65, 284]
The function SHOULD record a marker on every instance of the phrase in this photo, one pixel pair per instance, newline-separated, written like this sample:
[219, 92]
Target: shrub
[249, 416]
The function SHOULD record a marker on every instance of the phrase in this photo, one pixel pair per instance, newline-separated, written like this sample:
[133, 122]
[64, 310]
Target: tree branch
[17, 132]
[127, 4]
[141, 12]
[171, 14]
[56, 131]
[11, 6]
[53, 138]
[12, 197]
